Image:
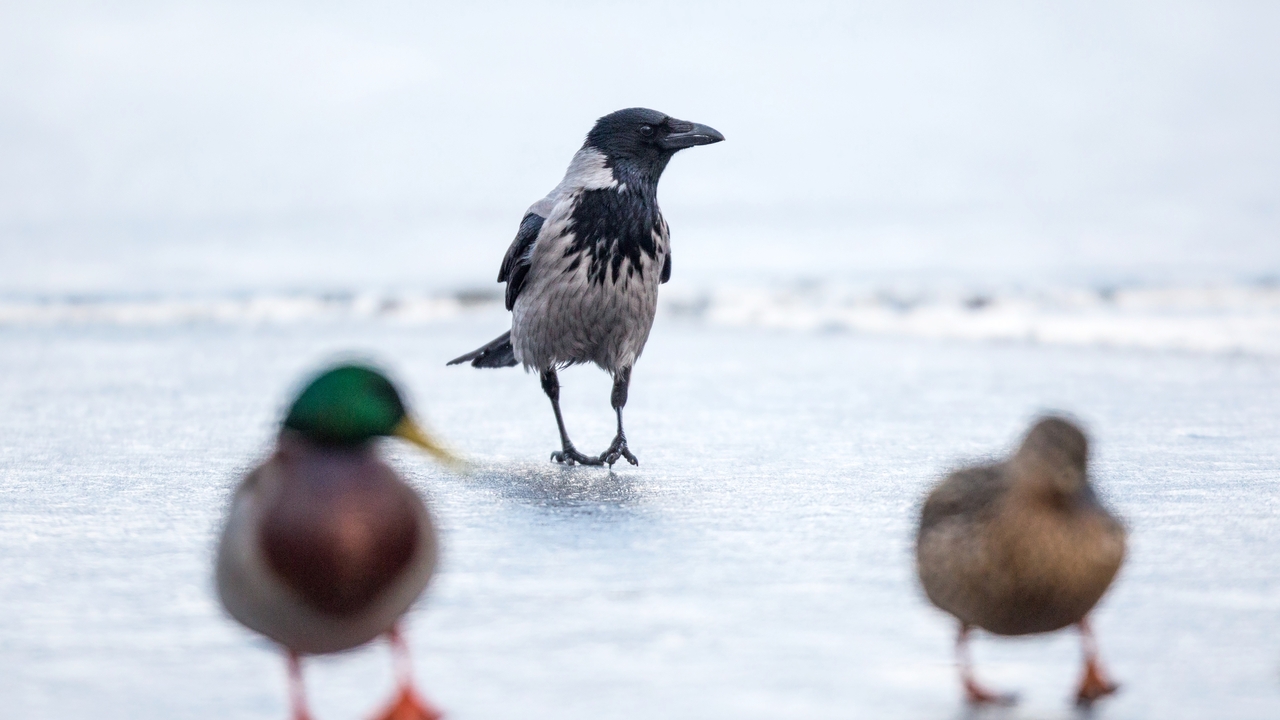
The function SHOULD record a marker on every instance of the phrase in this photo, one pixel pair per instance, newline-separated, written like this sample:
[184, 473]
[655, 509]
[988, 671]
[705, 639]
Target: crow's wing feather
[665, 231]
[515, 266]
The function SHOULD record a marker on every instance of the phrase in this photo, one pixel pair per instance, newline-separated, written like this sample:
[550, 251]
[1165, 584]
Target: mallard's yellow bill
[410, 430]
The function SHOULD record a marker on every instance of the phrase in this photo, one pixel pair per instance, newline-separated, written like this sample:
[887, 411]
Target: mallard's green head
[353, 404]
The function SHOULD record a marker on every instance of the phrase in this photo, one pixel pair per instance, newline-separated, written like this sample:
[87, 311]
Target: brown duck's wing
[342, 530]
[967, 494]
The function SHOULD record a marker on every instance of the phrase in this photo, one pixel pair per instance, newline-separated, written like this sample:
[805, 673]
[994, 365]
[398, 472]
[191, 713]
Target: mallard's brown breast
[342, 528]
[1019, 562]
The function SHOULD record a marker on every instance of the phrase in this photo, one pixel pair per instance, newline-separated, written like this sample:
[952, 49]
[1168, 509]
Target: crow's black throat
[612, 228]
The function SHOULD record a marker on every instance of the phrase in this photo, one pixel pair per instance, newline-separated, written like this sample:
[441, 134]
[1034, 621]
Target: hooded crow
[583, 272]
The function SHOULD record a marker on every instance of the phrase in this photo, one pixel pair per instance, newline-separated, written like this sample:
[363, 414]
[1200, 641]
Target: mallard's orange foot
[409, 706]
[975, 694]
[1094, 685]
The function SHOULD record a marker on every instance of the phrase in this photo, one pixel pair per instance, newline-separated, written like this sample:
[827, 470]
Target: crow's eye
[646, 130]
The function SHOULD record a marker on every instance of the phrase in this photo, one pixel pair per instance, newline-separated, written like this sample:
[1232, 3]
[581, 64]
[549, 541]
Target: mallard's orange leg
[974, 693]
[408, 704]
[297, 693]
[1095, 683]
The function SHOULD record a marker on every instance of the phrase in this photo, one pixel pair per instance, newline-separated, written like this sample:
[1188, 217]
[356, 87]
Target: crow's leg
[1095, 683]
[568, 454]
[618, 448]
[974, 693]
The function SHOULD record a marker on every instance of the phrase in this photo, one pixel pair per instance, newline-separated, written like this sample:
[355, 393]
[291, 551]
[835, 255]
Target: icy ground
[756, 565]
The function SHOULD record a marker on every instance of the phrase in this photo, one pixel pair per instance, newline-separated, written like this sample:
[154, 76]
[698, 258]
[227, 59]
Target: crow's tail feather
[494, 354]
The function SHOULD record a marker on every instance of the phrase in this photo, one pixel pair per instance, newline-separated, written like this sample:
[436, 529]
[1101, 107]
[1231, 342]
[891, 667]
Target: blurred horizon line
[1232, 318]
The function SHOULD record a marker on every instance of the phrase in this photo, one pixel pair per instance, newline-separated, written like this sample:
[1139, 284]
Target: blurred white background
[187, 147]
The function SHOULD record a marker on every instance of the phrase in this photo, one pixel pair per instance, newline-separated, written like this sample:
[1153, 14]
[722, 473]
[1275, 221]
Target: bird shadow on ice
[559, 487]
[1014, 712]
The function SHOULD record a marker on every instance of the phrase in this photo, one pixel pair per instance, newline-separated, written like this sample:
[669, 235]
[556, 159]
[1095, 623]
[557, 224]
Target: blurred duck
[1022, 546]
[324, 546]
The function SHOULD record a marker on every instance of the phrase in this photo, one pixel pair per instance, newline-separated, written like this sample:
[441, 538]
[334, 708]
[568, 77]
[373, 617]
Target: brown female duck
[324, 546]
[1022, 546]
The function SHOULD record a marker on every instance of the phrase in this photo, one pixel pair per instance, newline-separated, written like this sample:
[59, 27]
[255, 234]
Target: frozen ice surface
[756, 564]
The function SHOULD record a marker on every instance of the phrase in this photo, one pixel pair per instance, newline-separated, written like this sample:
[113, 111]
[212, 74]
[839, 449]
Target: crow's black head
[643, 140]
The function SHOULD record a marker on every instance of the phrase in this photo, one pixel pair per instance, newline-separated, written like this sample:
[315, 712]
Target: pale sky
[886, 136]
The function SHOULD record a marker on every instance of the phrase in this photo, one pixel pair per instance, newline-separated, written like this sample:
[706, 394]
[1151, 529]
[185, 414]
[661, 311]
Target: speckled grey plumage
[561, 317]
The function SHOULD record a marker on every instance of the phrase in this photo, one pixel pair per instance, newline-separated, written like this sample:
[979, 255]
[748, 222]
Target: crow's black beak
[688, 135]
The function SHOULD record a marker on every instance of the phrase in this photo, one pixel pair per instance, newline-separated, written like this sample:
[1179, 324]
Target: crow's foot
[618, 449]
[570, 455]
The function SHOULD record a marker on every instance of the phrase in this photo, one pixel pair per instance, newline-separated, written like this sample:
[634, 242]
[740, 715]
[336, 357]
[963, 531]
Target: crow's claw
[618, 449]
[570, 455]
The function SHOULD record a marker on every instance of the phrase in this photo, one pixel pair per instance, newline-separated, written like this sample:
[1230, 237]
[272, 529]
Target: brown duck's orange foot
[975, 694]
[1094, 684]
[409, 705]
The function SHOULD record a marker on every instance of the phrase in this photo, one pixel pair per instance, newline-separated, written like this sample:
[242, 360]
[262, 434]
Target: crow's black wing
[666, 240]
[515, 266]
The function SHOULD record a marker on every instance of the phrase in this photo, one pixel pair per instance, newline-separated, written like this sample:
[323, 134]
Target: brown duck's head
[1055, 454]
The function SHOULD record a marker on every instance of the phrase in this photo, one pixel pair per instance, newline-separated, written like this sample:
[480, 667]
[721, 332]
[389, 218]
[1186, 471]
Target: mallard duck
[324, 546]
[1022, 546]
